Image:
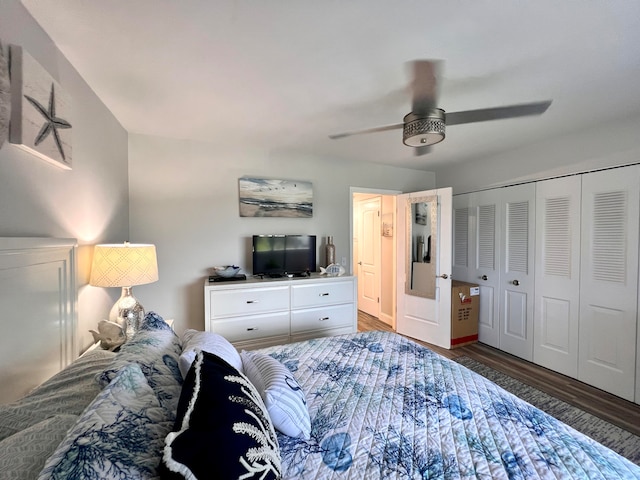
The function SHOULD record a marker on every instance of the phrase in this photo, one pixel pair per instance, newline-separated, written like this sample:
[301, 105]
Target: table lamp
[124, 265]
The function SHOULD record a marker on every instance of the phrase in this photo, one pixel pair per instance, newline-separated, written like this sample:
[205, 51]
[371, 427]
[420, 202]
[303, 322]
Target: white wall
[184, 198]
[90, 202]
[603, 146]
[388, 267]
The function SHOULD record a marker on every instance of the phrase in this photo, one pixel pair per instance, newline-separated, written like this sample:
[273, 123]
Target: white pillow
[211, 342]
[281, 393]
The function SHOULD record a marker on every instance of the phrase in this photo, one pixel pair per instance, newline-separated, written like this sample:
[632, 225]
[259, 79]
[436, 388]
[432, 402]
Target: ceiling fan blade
[497, 113]
[422, 150]
[425, 85]
[384, 128]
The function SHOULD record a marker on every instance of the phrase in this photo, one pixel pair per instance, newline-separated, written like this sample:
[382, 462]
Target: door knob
[516, 282]
[444, 275]
[359, 263]
[484, 277]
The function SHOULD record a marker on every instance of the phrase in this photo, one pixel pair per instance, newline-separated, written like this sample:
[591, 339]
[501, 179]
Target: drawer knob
[324, 318]
[324, 294]
[252, 301]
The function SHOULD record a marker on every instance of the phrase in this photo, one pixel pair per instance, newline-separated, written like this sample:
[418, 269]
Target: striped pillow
[281, 393]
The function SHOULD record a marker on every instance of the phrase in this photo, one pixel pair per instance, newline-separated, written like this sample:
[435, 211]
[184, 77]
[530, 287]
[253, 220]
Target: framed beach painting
[262, 197]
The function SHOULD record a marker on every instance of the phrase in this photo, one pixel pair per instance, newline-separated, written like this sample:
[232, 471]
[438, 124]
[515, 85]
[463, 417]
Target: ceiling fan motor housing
[424, 129]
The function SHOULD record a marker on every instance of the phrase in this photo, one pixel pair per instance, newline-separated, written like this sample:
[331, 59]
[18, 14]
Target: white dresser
[256, 313]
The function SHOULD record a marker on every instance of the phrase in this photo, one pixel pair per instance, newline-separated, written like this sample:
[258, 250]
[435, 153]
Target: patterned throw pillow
[223, 429]
[119, 435]
[156, 348]
[281, 393]
[193, 340]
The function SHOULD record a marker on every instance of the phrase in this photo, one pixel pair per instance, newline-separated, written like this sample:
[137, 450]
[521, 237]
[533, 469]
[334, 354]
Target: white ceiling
[281, 75]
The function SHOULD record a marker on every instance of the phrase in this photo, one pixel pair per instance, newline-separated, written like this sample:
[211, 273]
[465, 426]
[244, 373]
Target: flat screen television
[280, 255]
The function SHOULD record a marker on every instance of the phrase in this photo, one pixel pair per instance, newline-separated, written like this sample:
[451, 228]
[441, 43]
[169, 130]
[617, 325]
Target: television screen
[277, 255]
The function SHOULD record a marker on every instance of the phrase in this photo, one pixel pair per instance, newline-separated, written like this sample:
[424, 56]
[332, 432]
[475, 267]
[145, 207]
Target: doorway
[427, 319]
[373, 251]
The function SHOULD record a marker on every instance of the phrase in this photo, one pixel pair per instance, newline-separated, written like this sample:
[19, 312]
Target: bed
[378, 406]
[366, 405]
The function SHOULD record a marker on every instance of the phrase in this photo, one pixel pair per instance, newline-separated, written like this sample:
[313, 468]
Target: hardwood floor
[613, 409]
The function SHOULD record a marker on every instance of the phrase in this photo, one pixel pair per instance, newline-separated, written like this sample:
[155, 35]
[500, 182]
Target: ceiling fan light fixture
[420, 130]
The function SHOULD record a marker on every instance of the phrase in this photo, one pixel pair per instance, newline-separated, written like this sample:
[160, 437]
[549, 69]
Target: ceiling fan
[425, 125]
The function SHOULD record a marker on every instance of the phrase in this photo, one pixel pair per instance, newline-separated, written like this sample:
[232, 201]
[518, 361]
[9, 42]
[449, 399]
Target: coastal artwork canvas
[261, 197]
[40, 111]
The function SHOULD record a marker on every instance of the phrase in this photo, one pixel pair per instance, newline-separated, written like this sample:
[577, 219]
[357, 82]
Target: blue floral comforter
[383, 406]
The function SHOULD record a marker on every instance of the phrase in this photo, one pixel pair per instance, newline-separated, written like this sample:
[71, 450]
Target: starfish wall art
[40, 111]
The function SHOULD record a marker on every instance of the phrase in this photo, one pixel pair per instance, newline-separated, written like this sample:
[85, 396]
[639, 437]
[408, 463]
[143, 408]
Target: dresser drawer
[327, 293]
[321, 318]
[250, 328]
[227, 303]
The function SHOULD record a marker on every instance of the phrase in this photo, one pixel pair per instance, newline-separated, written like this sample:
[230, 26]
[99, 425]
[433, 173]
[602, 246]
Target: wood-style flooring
[613, 409]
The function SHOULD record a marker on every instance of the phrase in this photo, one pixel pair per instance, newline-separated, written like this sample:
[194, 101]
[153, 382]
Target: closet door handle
[444, 275]
[516, 282]
[484, 277]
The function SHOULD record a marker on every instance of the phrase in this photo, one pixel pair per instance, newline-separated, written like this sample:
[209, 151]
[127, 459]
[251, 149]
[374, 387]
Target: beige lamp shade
[123, 265]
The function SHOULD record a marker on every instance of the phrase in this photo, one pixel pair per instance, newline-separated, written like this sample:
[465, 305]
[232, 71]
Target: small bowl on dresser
[227, 271]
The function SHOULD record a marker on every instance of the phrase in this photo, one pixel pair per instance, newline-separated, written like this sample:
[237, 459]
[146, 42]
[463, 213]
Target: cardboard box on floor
[465, 306]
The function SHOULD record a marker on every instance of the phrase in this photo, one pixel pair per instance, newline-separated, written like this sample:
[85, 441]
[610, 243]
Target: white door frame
[371, 191]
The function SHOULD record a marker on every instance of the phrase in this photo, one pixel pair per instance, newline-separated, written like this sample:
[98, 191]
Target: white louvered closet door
[485, 262]
[557, 274]
[609, 280]
[461, 237]
[517, 270]
[476, 255]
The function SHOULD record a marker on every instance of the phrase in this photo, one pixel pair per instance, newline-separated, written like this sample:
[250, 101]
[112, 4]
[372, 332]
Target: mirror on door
[421, 237]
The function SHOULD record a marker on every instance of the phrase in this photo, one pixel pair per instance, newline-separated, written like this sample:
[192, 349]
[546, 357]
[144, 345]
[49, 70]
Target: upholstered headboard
[37, 311]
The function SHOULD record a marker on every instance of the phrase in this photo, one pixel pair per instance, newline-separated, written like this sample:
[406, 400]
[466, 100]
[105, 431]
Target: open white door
[426, 319]
[369, 256]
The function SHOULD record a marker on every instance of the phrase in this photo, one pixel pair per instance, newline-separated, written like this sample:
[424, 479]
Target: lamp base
[127, 312]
